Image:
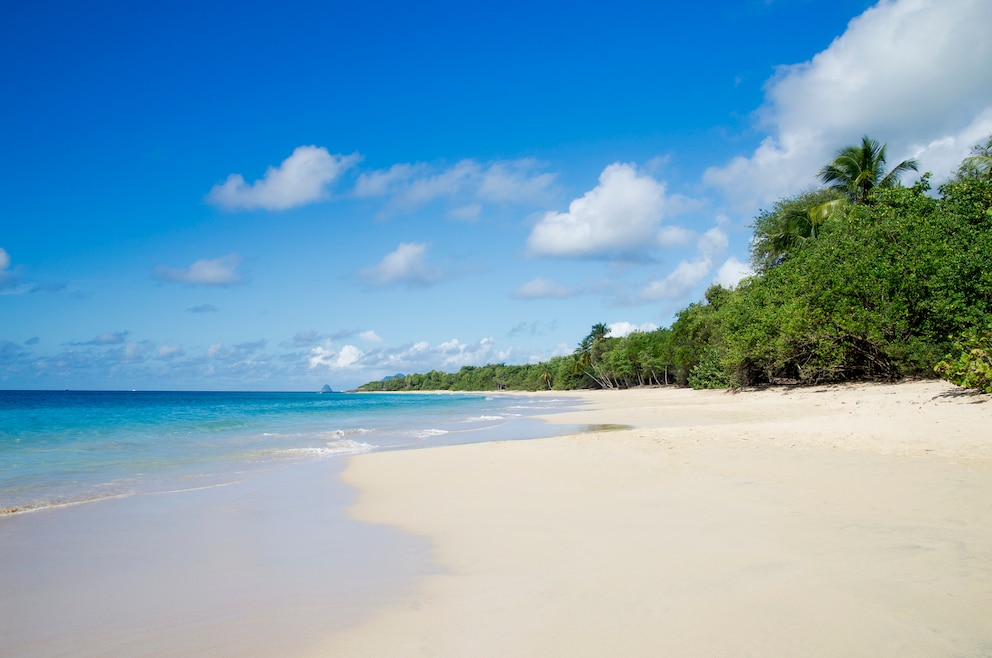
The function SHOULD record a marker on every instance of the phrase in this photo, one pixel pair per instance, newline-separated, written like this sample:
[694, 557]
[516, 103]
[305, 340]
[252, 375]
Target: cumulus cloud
[455, 354]
[420, 356]
[541, 288]
[621, 329]
[221, 271]
[4, 259]
[370, 336]
[912, 73]
[619, 217]
[731, 272]
[348, 357]
[302, 178]
[406, 265]
[679, 281]
[688, 274]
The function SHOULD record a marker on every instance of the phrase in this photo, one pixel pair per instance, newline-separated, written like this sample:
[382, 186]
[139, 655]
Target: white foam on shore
[338, 434]
[428, 433]
[345, 446]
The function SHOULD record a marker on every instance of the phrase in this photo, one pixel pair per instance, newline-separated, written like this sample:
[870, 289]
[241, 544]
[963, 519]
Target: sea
[212, 524]
[60, 448]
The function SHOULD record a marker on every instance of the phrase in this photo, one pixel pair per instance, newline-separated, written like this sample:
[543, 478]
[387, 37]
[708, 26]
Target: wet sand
[265, 567]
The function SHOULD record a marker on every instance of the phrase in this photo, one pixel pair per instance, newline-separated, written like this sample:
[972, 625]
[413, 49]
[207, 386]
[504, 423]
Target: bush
[972, 368]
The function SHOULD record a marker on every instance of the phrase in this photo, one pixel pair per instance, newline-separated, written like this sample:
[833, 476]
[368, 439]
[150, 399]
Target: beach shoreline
[836, 520]
[260, 561]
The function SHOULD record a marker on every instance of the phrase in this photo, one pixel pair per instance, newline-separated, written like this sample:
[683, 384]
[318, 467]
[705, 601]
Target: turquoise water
[64, 447]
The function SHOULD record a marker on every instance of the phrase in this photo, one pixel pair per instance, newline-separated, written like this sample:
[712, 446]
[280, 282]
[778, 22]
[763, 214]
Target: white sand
[847, 521]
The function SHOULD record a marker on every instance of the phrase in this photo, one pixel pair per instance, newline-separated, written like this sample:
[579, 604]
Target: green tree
[790, 223]
[979, 164]
[697, 338]
[858, 170]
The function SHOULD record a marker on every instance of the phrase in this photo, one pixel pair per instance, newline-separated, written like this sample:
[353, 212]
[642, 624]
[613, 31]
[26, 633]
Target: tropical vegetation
[863, 279]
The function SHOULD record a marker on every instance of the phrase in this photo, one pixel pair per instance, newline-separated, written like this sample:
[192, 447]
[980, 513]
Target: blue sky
[274, 196]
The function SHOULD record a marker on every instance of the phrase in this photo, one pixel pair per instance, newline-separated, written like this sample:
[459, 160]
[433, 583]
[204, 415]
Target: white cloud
[170, 351]
[302, 178]
[515, 182]
[911, 73]
[621, 329]
[456, 354]
[135, 351]
[9, 280]
[348, 357]
[674, 236]
[688, 274]
[406, 265]
[541, 288]
[466, 183]
[415, 357]
[619, 217]
[221, 271]
[444, 184]
[386, 181]
[679, 282]
[370, 336]
[713, 243]
[242, 353]
[731, 272]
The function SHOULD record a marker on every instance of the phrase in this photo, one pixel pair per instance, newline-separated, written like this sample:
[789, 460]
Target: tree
[547, 378]
[858, 170]
[979, 164]
[596, 334]
[588, 354]
[784, 229]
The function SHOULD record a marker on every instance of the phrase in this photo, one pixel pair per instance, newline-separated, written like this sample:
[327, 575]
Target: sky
[281, 195]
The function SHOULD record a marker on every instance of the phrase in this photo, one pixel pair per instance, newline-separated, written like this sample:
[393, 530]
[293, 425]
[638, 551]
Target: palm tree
[858, 170]
[784, 229]
[596, 334]
[979, 164]
[547, 378]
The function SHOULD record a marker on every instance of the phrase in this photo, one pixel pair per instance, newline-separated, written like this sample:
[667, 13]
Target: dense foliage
[973, 366]
[873, 281]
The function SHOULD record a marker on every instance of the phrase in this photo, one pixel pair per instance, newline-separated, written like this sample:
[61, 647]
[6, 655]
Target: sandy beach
[828, 521]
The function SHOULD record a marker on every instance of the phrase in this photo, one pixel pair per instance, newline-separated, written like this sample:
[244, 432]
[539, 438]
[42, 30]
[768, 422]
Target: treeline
[640, 359]
[862, 279]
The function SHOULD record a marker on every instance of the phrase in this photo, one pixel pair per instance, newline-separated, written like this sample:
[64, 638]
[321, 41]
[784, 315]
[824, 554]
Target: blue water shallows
[63, 447]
